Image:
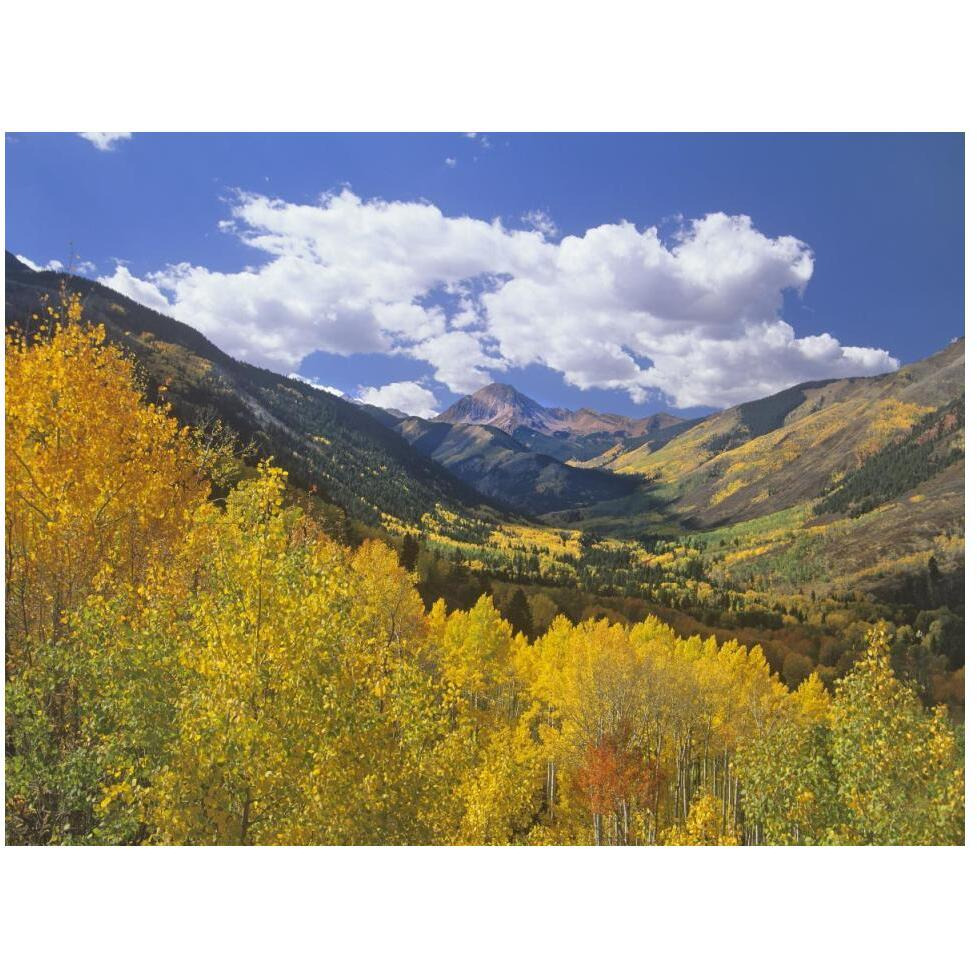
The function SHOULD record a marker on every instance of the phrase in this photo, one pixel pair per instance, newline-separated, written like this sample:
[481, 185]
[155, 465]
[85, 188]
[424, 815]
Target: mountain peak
[503, 390]
[503, 406]
[499, 405]
[504, 393]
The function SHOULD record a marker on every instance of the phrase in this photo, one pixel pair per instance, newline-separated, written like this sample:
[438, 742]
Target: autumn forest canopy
[200, 649]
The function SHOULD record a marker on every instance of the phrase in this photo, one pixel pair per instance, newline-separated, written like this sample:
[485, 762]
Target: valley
[798, 518]
[229, 591]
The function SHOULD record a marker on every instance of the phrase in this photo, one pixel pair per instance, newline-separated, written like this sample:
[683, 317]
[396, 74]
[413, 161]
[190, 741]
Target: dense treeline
[351, 459]
[900, 465]
[800, 633]
[188, 663]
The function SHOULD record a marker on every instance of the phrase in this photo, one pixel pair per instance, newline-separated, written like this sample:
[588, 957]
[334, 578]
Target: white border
[513, 67]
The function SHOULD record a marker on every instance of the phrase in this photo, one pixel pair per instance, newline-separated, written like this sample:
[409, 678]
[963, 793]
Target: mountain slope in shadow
[349, 456]
[500, 467]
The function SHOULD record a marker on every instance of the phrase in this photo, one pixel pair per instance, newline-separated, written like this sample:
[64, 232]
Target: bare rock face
[499, 405]
[574, 436]
[504, 407]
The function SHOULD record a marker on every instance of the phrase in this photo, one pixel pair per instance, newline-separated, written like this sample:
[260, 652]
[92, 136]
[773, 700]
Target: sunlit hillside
[774, 453]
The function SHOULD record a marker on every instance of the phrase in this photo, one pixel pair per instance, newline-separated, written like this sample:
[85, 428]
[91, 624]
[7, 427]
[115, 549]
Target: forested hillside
[774, 453]
[845, 487]
[328, 445]
[934, 444]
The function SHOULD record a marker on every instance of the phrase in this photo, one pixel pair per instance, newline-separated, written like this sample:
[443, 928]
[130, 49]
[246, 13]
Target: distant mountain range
[872, 467]
[504, 407]
[504, 469]
[557, 431]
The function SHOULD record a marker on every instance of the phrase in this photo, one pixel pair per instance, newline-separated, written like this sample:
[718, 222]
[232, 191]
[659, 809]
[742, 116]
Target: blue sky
[232, 233]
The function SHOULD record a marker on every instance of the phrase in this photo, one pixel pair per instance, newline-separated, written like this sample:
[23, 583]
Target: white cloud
[335, 391]
[459, 359]
[345, 276]
[144, 292]
[404, 395]
[52, 265]
[697, 316]
[80, 268]
[450, 161]
[105, 141]
[540, 221]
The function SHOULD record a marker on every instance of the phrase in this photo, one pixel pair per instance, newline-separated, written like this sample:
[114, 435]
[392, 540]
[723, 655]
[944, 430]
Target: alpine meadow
[338, 516]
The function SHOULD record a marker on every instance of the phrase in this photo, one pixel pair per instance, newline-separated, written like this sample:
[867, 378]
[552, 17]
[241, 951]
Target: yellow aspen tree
[473, 653]
[789, 792]
[703, 826]
[100, 489]
[502, 794]
[304, 717]
[99, 484]
[898, 765]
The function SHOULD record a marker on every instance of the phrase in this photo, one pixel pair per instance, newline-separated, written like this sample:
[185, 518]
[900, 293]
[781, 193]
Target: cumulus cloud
[450, 161]
[145, 292]
[335, 391]
[459, 359]
[105, 141]
[696, 316]
[403, 395]
[52, 265]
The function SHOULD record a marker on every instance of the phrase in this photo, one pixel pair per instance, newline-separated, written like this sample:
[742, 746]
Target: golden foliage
[199, 672]
[100, 486]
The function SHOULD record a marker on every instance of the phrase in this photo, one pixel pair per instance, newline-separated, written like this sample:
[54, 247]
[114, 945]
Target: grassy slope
[774, 453]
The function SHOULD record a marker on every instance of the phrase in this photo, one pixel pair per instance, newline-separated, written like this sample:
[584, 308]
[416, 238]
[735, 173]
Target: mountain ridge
[500, 467]
[503, 406]
[344, 454]
[568, 435]
[789, 448]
